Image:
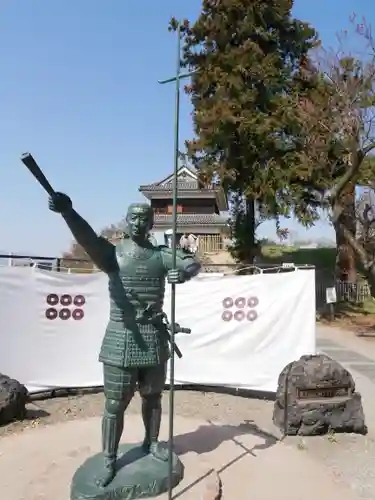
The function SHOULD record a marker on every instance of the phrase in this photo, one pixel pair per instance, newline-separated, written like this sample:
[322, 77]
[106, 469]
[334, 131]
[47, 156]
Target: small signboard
[323, 392]
[331, 297]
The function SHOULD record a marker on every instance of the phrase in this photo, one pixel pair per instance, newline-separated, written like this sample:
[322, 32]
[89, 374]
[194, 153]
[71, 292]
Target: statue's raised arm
[100, 250]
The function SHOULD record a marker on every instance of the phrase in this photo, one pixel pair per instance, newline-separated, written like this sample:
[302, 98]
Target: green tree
[77, 259]
[245, 55]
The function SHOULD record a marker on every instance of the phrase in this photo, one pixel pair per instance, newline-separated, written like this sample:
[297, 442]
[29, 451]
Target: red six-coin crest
[60, 306]
[240, 308]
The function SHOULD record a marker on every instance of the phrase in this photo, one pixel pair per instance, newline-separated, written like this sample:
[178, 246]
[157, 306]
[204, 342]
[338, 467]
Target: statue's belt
[159, 319]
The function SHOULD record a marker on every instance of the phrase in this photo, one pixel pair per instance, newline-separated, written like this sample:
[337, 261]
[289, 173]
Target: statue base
[139, 475]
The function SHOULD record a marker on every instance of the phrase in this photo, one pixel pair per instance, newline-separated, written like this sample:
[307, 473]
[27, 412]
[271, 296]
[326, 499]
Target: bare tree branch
[337, 112]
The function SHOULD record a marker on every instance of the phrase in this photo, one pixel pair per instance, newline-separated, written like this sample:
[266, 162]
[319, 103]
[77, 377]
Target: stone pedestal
[316, 395]
[139, 475]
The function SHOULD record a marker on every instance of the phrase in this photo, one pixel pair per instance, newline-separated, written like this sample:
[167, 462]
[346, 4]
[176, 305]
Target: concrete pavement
[357, 354]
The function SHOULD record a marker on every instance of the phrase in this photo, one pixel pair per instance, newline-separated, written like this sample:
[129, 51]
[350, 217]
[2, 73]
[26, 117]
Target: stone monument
[316, 395]
[13, 399]
[134, 353]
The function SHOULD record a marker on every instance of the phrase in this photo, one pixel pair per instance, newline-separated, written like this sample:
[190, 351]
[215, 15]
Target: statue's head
[139, 220]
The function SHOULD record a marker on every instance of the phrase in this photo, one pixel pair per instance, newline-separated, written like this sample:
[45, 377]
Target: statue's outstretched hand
[60, 203]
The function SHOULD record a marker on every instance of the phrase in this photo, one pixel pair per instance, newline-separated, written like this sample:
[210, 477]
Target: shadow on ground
[208, 438]
[35, 413]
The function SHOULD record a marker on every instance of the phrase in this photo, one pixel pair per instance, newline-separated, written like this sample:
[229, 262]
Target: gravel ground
[350, 458]
[226, 408]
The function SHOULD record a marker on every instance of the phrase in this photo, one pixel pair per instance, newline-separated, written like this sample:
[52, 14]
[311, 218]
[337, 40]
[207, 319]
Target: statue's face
[139, 222]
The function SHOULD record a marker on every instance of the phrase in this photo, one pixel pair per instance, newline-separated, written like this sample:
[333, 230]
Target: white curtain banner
[245, 329]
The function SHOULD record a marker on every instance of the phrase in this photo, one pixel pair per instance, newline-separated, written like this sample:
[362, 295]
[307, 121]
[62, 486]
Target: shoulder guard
[182, 254]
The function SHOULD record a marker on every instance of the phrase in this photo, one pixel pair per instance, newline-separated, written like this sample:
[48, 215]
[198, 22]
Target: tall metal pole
[177, 80]
[174, 259]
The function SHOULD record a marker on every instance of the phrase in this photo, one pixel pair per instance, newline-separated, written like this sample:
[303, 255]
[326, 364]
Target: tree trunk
[245, 248]
[364, 259]
[251, 249]
[346, 269]
[370, 276]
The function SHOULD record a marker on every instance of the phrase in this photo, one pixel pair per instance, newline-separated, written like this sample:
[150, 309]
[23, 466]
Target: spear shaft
[177, 79]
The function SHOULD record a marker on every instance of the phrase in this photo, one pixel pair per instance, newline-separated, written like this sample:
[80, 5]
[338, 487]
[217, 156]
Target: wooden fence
[355, 293]
[210, 243]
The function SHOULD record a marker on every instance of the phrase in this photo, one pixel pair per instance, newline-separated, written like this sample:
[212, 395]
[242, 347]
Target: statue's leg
[119, 385]
[151, 385]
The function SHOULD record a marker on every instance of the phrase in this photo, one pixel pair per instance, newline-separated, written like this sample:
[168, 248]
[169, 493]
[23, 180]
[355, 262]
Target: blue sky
[78, 89]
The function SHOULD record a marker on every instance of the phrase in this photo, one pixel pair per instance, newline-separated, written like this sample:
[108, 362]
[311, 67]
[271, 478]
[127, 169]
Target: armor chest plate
[140, 264]
[138, 284]
[139, 281]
